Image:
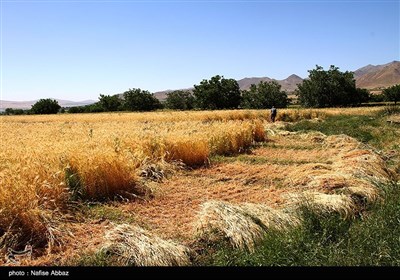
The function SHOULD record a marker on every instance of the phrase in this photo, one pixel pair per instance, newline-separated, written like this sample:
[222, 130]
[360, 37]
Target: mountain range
[373, 77]
[27, 104]
[378, 76]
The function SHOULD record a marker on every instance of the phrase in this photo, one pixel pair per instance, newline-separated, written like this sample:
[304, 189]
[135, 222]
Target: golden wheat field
[145, 187]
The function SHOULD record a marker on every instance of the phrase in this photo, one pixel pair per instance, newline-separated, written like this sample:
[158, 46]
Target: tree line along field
[76, 186]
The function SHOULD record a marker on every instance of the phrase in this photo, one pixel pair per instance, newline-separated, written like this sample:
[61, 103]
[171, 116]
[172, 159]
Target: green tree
[217, 93]
[110, 103]
[45, 106]
[140, 100]
[377, 97]
[93, 108]
[179, 100]
[9, 111]
[329, 89]
[363, 95]
[76, 109]
[392, 93]
[264, 95]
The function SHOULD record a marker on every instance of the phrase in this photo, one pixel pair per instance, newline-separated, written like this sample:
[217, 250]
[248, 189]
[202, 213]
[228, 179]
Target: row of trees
[392, 93]
[323, 88]
[221, 93]
[216, 93]
[131, 100]
[43, 106]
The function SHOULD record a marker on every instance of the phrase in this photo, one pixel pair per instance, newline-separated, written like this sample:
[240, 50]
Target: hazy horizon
[78, 50]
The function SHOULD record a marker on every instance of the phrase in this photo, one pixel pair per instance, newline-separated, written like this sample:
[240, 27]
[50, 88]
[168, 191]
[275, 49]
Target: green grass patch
[373, 130]
[99, 258]
[358, 127]
[300, 147]
[250, 159]
[106, 212]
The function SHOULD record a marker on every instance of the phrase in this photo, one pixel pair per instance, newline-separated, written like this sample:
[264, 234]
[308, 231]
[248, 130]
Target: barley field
[77, 185]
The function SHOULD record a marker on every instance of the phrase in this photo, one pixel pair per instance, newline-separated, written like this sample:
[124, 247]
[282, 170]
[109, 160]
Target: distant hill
[378, 76]
[28, 104]
[162, 95]
[289, 84]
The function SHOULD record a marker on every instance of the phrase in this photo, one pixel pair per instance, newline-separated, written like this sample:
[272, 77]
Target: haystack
[134, 246]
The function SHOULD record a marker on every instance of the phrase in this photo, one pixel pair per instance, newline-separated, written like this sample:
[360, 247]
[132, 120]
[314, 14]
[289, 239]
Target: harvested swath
[305, 174]
[330, 181]
[280, 219]
[367, 193]
[346, 184]
[341, 142]
[355, 159]
[353, 166]
[242, 225]
[394, 119]
[315, 137]
[326, 203]
[220, 220]
[134, 246]
[365, 163]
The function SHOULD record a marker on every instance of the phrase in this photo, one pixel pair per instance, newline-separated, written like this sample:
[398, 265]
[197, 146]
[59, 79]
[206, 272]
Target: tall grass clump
[32, 203]
[100, 177]
[192, 152]
[389, 110]
[233, 137]
[194, 145]
[294, 115]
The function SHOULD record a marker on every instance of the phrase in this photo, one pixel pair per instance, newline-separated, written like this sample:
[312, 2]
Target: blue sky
[76, 50]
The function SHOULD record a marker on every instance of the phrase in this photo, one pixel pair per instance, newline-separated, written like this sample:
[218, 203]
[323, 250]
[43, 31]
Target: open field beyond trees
[186, 188]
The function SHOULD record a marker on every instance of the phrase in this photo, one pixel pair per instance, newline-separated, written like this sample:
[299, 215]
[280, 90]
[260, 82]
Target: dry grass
[134, 246]
[280, 219]
[265, 183]
[325, 203]
[218, 220]
[242, 225]
[394, 119]
[45, 160]
[100, 177]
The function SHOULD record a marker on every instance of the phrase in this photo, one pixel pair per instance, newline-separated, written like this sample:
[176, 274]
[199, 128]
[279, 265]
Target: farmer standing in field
[273, 114]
